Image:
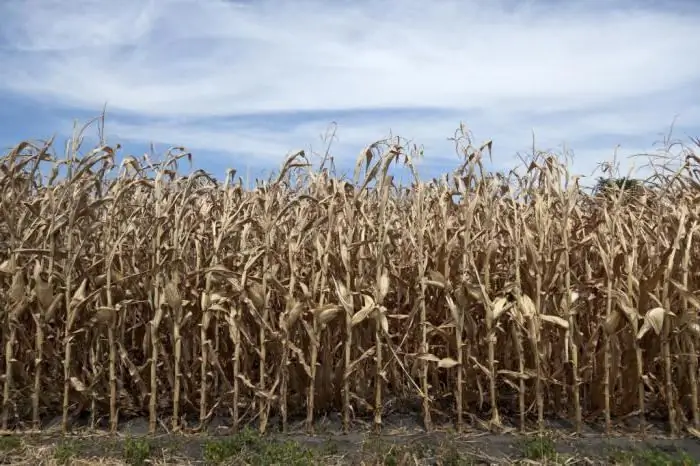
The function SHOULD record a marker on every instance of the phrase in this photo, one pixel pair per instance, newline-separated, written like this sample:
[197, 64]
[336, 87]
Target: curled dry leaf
[50, 313]
[186, 319]
[204, 300]
[79, 295]
[105, 315]
[498, 308]
[157, 318]
[18, 310]
[653, 320]
[436, 279]
[217, 298]
[100, 280]
[17, 289]
[475, 292]
[694, 328]
[78, 385]
[217, 308]
[37, 270]
[7, 267]
[344, 296]
[383, 286]
[328, 315]
[294, 310]
[382, 321]
[428, 357]
[447, 363]
[256, 296]
[305, 290]
[514, 374]
[453, 309]
[362, 314]
[172, 296]
[345, 256]
[527, 306]
[556, 320]
[207, 319]
[574, 295]
[612, 322]
[44, 293]
[692, 299]
[630, 313]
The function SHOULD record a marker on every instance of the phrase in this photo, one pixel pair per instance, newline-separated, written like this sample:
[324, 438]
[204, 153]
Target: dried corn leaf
[456, 317]
[653, 320]
[382, 321]
[692, 299]
[255, 293]
[498, 308]
[428, 357]
[172, 295]
[8, 267]
[612, 322]
[353, 365]
[435, 279]
[694, 328]
[344, 296]
[105, 315]
[365, 312]
[328, 314]
[383, 286]
[77, 385]
[17, 289]
[573, 296]
[295, 310]
[515, 375]
[556, 320]
[447, 363]
[205, 301]
[527, 306]
[345, 256]
[79, 295]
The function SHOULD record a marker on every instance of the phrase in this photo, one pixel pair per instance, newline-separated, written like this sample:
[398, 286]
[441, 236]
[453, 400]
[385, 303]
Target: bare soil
[403, 441]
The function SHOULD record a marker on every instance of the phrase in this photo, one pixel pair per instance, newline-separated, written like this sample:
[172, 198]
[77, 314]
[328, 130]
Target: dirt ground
[403, 442]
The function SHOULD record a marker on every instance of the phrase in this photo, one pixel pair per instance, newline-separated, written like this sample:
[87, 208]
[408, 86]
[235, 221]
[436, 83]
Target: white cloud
[575, 71]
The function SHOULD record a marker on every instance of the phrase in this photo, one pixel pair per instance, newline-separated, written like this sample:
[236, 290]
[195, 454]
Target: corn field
[129, 290]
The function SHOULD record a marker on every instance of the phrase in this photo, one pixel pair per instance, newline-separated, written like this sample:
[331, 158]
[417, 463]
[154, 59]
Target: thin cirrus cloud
[245, 82]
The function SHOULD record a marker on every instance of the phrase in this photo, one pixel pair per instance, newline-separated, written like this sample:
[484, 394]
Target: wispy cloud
[256, 79]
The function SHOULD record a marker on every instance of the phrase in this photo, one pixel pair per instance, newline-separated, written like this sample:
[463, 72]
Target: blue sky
[243, 83]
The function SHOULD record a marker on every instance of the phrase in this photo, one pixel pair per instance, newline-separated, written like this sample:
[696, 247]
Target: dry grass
[139, 292]
[250, 448]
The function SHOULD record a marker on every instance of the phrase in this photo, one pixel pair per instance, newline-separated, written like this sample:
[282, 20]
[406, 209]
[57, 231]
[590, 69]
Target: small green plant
[217, 451]
[251, 448]
[378, 451]
[10, 443]
[65, 451]
[422, 449]
[391, 457]
[539, 448]
[287, 453]
[651, 457]
[137, 451]
[449, 455]
[329, 447]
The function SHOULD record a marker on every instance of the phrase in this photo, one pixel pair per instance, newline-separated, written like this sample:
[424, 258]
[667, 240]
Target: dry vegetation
[129, 290]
